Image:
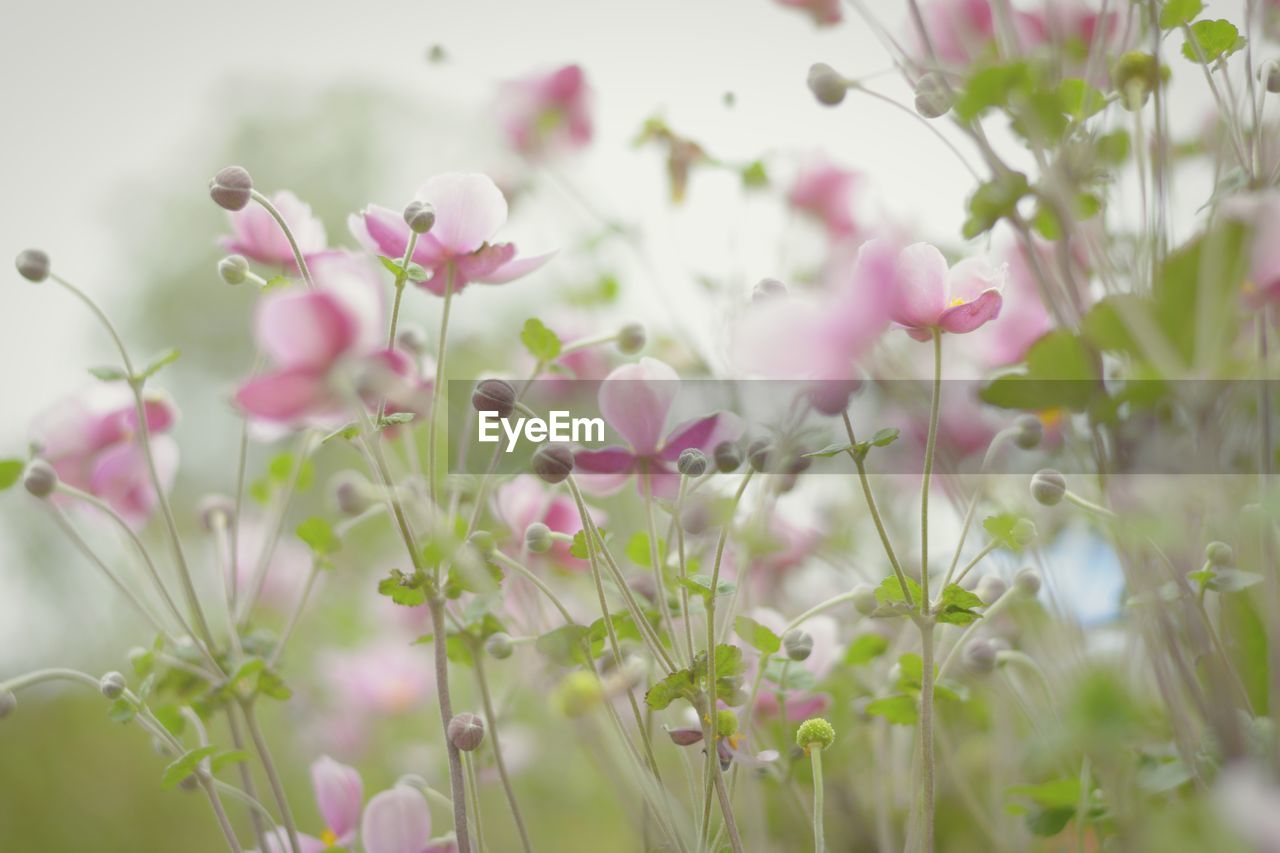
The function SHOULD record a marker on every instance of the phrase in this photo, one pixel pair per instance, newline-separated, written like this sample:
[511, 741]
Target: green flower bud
[112, 685]
[797, 644]
[1029, 432]
[826, 84]
[577, 694]
[499, 646]
[1048, 486]
[466, 732]
[631, 339]
[233, 269]
[1023, 532]
[864, 599]
[816, 733]
[726, 723]
[482, 542]
[537, 538]
[1136, 75]
[1219, 554]
[33, 265]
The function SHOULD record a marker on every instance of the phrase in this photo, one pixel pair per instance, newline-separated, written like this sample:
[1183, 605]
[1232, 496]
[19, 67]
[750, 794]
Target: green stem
[437, 389]
[860, 464]
[684, 570]
[491, 720]
[456, 784]
[926, 730]
[288, 235]
[273, 777]
[469, 766]
[656, 560]
[819, 841]
[401, 279]
[929, 448]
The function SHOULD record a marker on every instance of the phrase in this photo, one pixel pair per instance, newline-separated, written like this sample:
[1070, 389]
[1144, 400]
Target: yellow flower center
[329, 837]
[959, 300]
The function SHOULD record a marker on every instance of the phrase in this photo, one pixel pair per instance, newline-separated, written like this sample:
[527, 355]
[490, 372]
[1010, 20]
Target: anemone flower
[338, 791]
[456, 251]
[398, 821]
[825, 192]
[524, 500]
[927, 298]
[547, 113]
[1261, 211]
[256, 234]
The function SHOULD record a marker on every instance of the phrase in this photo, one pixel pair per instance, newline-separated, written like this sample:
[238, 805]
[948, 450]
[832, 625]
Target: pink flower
[287, 572]
[1023, 319]
[926, 297]
[524, 500]
[823, 12]
[456, 251]
[635, 400]
[396, 821]
[383, 678]
[338, 790]
[825, 192]
[256, 235]
[959, 30]
[547, 113]
[91, 441]
[1261, 212]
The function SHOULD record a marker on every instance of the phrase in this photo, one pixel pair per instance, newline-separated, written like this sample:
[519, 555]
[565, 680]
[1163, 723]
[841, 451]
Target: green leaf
[122, 711]
[318, 534]
[1233, 580]
[1113, 147]
[993, 201]
[992, 87]
[165, 358]
[1058, 373]
[272, 685]
[1056, 793]
[185, 765]
[1002, 529]
[758, 636]
[890, 591]
[678, 684]
[10, 472]
[1049, 822]
[1217, 40]
[754, 175]
[831, 450]
[1178, 12]
[403, 589]
[1079, 99]
[542, 343]
[885, 437]
[787, 675]
[108, 374]
[565, 645]
[956, 606]
[729, 661]
[638, 551]
[701, 585]
[899, 709]
[578, 548]
[865, 648]
[225, 759]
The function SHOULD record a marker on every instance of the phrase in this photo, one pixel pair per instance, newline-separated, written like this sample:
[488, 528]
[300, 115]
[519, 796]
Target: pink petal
[636, 398]
[277, 841]
[483, 262]
[515, 268]
[396, 821]
[972, 277]
[703, 433]
[284, 395]
[971, 315]
[469, 210]
[353, 280]
[121, 477]
[304, 328]
[339, 794]
[610, 460]
[920, 292]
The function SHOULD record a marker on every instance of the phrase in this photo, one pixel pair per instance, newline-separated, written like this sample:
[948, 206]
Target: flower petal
[972, 277]
[971, 315]
[610, 460]
[284, 395]
[339, 794]
[702, 433]
[920, 287]
[396, 821]
[514, 268]
[304, 328]
[469, 210]
[636, 398]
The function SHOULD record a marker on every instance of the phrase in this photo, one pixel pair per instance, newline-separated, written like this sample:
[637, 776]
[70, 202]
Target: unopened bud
[1136, 75]
[420, 216]
[1048, 486]
[412, 780]
[8, 703]
[728, 457]
[864, 599]
[1029, 432]
[349, 494]
[934, 98]
[233, 269]
[758, 453]
[632, 338]
[797, 644]
[412, 340]
[726, 723]
[466, 731]
[768, 288]
[232, 188]
[980, 655]
[1027, 582]
[990, 588]
[692, 462]
[1023, 532]
[1219, 554]
[499, 646]
[33, 265]
[816, 733]
[578, 694]
[494, 395]
[112, 685]
[1269, 74]
[215, 511]
[537, 538]
[483, 543]
[40, 479]
[826, 84]
[553, 463]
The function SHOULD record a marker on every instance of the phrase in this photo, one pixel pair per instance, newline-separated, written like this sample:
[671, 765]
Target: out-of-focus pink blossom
[386, 677]
[525, 499]
[287, 572]
[960, 31]
[928, 298]
[547, 113]
[801, 704]
[339, 791]
[90, 439]
[396, 821]
[256, 235]
[277, 841]
[825, 192]
[1261, 212]
[1023, 319]
[823, 12]
[456, 251]
[635, 400]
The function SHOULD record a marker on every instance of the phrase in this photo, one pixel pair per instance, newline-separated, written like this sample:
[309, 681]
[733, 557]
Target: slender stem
[456, 784]
[821, 607]
[491, 721]
[263, 565]
[726, 807]
[437, 389]
[39, 676]
[656, 560]
[860, 464]
[223, 822]
[469, 766]
[298, 257]
[517, 566]
[273, 777]
[929, 448]
[684, 569]
[242, 466]
[926, 729]
[295, 615]
[977, 558]
[819, 841]
[401, 278]
[246, 779]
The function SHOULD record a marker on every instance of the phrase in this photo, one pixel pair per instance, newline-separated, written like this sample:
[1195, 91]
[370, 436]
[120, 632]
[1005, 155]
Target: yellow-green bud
[815, 733]
[726, 723]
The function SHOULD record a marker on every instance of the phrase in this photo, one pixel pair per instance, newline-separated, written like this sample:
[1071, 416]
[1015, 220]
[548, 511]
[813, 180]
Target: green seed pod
[816, 733]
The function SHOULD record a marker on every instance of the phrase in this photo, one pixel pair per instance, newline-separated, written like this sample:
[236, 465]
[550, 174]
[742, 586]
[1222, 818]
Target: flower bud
[420, 216]
[980, 655]
[797, 644]
[1269, 74]
[1029, 432]
[816, 733]
[215, 511]
[412, 340]
[768, 288]
[33, 265]
[1219, 554]
[692, 462]
[1136, 75]
[578, 694]
[499, 646]
[349, 494]
[494, 395]
[232, 188]
[826, 84]
[482, 542]
[1023, 532]
[537, 538]
[990, 588]
[726, 723]
[553, 463]
[8, 702]
[864, 599]
[40, 479]
[758, 453]
[233, 269]
[1027, 582]
[466, 731]
[631, 339]
[831, 396]
[1048, 486]
[112, 685]
[934, 98]
[728, 457]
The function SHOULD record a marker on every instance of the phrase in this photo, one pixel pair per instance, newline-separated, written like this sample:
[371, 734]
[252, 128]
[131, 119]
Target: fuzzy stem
[926, 730]
[456, 784]
[437, 389]
[819, 840]
[298, 257]
[273, 777]
[929, 449]
[491, 721]
[401, 278]
[860, 464]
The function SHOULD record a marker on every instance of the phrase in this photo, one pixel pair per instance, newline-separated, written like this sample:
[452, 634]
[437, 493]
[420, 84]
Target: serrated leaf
[900, 709]
[890, 591]
[10, 472]
[729, 661]
[542, 343]
[1000, 528]
[405, 590]
[956, 606]
[678, 684]
[638, 550]
[317, 533]
[759, 637]
[1178, 12]
[185, 765]
[1216, 39]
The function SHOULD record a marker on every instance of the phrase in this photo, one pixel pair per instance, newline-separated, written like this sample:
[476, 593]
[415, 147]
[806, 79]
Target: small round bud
[692, 462]
[494, 395]
[1028, 432]
[189, 783]
[632, 338]
[990, 588]
[420, 216]
[40, 479]
[1027, 582]
[112, 685]
[578, 694]
[726, 723]
[797, 644]
[537, 538]
[215, 511]
[483, 543]
[831, 396]
[232, 188]
[499, 646]
[1136, 75]
[233, 269]
[864, 599]
[826, 84]
[768, 288]
[412, 340]
[758, 453]
[980, 655]
[412, 780]
[466, 731]
[350, 495]
[728, 457]
[1048, 486]
[33, 265]
[1023, 532]
[8, 702]
[553, 463]
[816, 733]
[1219, 554]
[934, 98]
[1269, 74]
